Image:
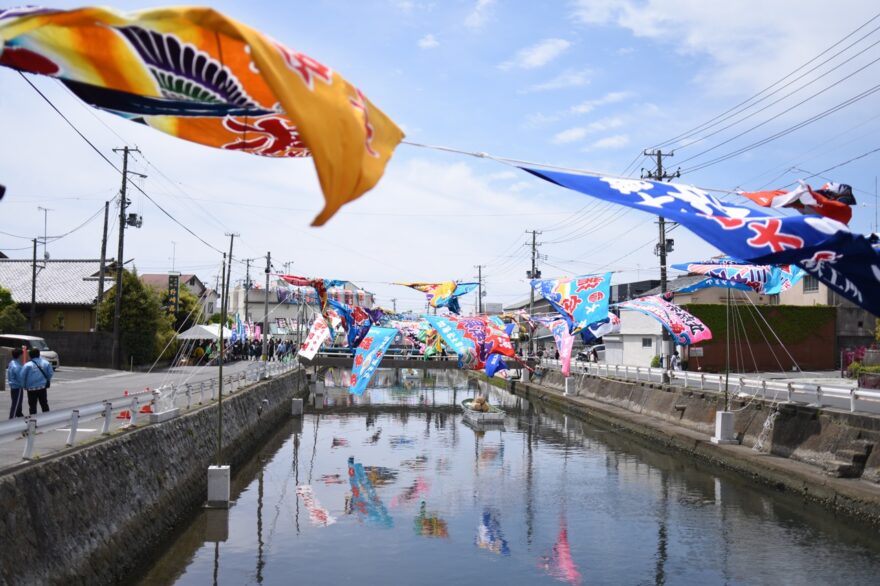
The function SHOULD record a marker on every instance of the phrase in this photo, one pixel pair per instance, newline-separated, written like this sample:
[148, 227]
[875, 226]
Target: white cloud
[480, 14]
[609, 98]
[564, 80]
[617, 141]
[625, 51]
[537, 55]
[746, 54]
[580, 132]
[428, 42]
[540, 119]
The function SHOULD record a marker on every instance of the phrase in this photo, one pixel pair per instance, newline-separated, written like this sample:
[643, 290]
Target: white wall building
[637, 343]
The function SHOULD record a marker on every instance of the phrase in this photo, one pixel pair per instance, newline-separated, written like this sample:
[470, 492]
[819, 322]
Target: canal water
[396, 488]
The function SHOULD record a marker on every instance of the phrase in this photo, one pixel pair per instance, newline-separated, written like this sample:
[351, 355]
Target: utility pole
[123, 206]
[480, 288]
[224, 304]
[103, 259]
[247, 287]
[45, 230]
[533, 274]
[266, 309]
[394, 304]
[663, 245]
[34, 287]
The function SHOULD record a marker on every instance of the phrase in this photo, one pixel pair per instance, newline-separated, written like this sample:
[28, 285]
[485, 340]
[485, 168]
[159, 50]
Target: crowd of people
[206, 351]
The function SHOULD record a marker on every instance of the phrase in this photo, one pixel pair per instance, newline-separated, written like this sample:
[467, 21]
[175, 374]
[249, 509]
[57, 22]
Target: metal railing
[131, 407]
[851, 398]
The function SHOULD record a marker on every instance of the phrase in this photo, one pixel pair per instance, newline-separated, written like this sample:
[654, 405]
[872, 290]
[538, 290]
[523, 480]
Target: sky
[584, 84]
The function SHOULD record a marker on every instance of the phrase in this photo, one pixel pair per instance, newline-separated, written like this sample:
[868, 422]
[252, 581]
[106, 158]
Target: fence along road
[47, 433]
[839, 396]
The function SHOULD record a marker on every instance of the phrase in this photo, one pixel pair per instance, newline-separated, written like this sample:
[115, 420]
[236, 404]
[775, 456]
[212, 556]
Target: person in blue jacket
[13, 381]
[35, 378]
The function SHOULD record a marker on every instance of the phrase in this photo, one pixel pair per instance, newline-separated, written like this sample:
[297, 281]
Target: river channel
[396, 488]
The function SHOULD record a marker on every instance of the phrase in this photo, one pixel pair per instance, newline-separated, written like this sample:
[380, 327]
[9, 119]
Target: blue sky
[585, 84]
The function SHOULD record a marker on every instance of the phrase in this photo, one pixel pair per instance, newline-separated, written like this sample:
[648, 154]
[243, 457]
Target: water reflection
[577, 503]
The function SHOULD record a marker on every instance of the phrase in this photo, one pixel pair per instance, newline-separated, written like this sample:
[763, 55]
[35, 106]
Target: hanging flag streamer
[684, 327]
[495, 365]
[201, 76]
[848, 263]
[443, 294]
[734, 274]
[596, 330]
[564, 343]
[356, 319]
[320, 286]
[473, 339]
[580, 300]
[318, 334]
[833, 200]
[367, 357]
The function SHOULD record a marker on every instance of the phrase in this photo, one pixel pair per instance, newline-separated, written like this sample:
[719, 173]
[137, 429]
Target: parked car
[587, 354]
[10, 341]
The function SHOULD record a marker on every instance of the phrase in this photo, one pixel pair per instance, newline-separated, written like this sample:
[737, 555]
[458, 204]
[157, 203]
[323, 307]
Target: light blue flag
[369, 354]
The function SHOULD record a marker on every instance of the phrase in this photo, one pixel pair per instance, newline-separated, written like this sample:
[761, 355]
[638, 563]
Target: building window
[646, 343]
[811, 284]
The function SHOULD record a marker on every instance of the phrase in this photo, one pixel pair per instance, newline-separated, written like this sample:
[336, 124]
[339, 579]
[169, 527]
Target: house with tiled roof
[208, 298]
[64, 291]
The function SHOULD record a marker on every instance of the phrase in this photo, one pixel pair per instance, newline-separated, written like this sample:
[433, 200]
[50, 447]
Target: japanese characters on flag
[733, 274]
[580, 301]
[367, 357]
[564, 342]
[318, 334]
[848, 263]
[684, 327]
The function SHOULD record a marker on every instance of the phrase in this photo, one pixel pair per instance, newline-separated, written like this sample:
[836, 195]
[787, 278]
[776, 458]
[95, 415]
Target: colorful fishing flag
[495, 365]
[848, 263]
[564, 343]
[833, 200]
[596, 330]
[684, 327]
[320, 285]
[356, 319]
[318, 334]
[367, 357]
[443, 294]
[731, 273]
[579, 300]
[201, 76]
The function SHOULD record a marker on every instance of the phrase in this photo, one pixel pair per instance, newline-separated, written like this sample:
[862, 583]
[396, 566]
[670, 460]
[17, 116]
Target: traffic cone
[146, 409]
[124, 414]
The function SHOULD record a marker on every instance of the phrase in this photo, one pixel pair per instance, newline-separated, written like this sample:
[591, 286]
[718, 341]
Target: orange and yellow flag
[199, 75]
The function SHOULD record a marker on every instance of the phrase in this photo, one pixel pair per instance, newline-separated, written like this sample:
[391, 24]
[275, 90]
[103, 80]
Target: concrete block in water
[218, 487]
[296, 407]
[724, 433]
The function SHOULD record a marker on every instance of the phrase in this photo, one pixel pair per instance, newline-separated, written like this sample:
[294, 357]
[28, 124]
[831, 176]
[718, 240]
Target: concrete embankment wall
[825, 455]
[92, 515]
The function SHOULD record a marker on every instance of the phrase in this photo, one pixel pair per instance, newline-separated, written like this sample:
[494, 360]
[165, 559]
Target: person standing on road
[13, 381]
[36, 376]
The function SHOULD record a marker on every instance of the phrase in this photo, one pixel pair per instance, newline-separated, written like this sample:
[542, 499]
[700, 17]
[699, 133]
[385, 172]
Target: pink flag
[564, 342]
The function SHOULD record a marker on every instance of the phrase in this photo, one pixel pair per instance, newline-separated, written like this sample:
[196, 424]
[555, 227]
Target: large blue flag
[369, 354]
[730, 273]
[848, 263]
[580, 301]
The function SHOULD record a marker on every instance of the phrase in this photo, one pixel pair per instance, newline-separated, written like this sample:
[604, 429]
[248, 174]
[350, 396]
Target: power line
[113, 165]
[702, 126]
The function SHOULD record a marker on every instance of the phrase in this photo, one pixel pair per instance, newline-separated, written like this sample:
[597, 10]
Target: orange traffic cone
[146, 409]
[124, 414]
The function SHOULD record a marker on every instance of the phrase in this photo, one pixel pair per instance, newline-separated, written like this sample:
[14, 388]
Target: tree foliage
[146, 327]
[11, 318]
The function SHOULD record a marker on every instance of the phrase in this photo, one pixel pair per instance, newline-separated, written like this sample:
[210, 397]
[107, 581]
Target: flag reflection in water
[489, 535]
[364, 500]
[560, 564]
[430, 524]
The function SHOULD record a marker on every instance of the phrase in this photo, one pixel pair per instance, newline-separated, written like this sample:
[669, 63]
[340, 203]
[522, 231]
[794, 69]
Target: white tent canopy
[205, 332]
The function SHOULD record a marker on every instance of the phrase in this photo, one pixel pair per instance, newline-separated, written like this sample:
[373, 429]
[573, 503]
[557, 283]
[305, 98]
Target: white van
[10, 341]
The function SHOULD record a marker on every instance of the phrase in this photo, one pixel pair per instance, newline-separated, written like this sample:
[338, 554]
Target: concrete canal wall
[829, 456]
[94, 514]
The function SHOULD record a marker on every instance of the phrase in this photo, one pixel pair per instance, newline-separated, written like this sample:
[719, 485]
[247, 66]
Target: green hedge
[792, 323]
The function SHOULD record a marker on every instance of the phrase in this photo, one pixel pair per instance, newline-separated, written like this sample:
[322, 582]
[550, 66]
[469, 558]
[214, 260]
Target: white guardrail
[165, 397]
[855, 399]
